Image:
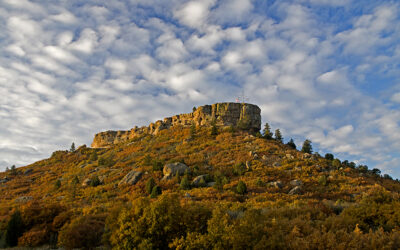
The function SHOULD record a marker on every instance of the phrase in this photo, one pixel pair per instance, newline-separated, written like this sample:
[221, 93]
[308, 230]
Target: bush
[14, 229]
[185, 184]
[239, 169]
[157, 165]
[94, 181]
[83, 232]
[155, 192]
[35, 237]
[329, 156]
[241, 188]
[150, 184]
[322, 180]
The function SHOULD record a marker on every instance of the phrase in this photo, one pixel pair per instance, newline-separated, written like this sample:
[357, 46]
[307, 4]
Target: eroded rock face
[246, 116]
[171, 169]
[131, 178]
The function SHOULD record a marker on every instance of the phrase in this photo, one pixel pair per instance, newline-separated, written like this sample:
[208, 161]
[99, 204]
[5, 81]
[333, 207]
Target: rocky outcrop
[171, 169]
[131, 178]
[243, 115]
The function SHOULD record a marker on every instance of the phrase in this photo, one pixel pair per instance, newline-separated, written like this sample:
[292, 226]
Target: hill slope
[235, 190]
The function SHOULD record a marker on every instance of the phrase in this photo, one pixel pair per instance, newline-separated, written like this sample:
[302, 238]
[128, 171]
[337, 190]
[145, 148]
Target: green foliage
[75, 180]
[260, 183]
[72, 149]
[185, 184]
[214, 130]
[150, 184]
[376, 171]
[336, 163]
[241, 188]
[329, 156]
[278, 135]
[307, 148]
[267, 134]
[94, 181]
[231, 129]
[14, 229]
[83, 232]
[105, 161]
[13, 170]
[239, 169]
[157, 165]
[291, 144]
[155, 192]
[57, 184]
[147, 160]
[322, 180]
[194, 109]
[362, 168]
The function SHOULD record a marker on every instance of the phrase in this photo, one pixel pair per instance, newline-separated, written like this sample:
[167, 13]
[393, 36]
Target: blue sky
[318, 69]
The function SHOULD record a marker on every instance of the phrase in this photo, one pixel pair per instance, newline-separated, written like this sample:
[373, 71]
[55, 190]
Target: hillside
[210, 182]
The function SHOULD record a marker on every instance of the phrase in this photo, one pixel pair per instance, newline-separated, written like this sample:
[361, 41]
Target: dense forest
[199, 188]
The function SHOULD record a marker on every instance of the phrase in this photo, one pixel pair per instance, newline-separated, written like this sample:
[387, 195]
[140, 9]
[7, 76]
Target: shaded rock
[28, 171]
[4, 180]
[296, 183]
[131, 178]
[295, 190]
[86, 182]
[200, 180]
[276, 184]
[24, 199]
[171, 169]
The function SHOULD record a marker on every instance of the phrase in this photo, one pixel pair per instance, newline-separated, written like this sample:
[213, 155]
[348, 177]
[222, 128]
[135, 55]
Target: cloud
[194, 13]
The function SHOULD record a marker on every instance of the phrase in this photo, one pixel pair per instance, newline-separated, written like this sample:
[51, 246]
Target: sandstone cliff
[246, 116]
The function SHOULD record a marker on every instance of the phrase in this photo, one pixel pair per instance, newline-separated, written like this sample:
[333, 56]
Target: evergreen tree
[291, 144]
[150, 184]
[307, 148]
[267, 134]
[185, 183]
[72, 149]
[57, 184]
[156, 191]
[13, 170]
[278, 135]
[75, 180]
[329, 156]
[14, 229]
[7, 169]
[241, 188]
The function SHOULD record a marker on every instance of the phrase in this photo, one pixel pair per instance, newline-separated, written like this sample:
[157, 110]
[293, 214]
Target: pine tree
[307, 148]
[241, 188]
[156, 191]
[57, 184]
[13, 170]
[185, 183]
[150, 184]
[291, 144]
[278, 135]
[267, 134]
[14, 229]
[72, 149]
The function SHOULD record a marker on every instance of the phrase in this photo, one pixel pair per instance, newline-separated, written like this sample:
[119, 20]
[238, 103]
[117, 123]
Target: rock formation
[243, 115]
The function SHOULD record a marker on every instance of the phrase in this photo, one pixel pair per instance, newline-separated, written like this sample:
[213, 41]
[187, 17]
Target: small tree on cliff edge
[72, 149]
[278, 135]
[307, 148]
[291, 144]
[267, 134]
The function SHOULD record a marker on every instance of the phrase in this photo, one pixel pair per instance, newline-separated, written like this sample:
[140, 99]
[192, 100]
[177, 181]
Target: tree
[75, 180]
[278, 135]
[150, 184]
[241, 188]
[185, 185]
[14, 229]
[307, 148]
[376, 171]
[7, 169]
[57, 184]
[13, 170]
[336, 163]
[155, 192]
[72, 149]
[214, 129]
[94, 181]
[291, 144]
[329, 156]
[267, 134]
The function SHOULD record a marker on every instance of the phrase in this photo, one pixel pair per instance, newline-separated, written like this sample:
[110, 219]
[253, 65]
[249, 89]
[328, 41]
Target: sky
[325, 70]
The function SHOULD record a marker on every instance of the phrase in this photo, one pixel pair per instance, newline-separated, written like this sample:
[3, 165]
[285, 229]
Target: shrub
[82, 232]
[241, 188]
[157, 165]
[94, 181]
[239, 169]
[329, 156]
[291, 144]
[322, 180]
[57, 184]
[185, 184]
[155, 192]
[35, 237]
[150, 184]
[14, 229]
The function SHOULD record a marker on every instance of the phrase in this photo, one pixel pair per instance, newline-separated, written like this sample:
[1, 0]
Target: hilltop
[202, 180]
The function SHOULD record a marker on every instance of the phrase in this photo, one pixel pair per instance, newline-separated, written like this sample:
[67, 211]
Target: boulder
[197, 182]
[276, 184]
[171, 169]
[28, 171]
[296, 183]
[295, 190]
[24, 199]
[131, 178]
[86, 182]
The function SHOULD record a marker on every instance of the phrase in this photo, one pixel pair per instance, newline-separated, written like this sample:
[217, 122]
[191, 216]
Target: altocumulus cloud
[323, 70]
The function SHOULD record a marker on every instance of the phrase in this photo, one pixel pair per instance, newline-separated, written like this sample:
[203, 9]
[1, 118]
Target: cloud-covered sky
[318, 69]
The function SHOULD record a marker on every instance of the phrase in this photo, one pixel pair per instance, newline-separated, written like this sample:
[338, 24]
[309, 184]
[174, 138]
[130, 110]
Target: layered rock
[243, 115]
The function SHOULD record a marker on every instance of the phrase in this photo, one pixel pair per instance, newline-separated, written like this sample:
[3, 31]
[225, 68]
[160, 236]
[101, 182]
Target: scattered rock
[296, 183]
[24, 199]
[197, 182]
[277, 164]
[295, 190]
[83, 165]
[276, 184]
[289, 156]
[28, 171]
[306, 156]
[131, 178]
[171, 169]
[211, 184]
[86, 182]
[4, 180]
[59, 198]
[264, 157]
[248, 165]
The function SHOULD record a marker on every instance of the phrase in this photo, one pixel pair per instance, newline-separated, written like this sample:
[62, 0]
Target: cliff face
[243, 115]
